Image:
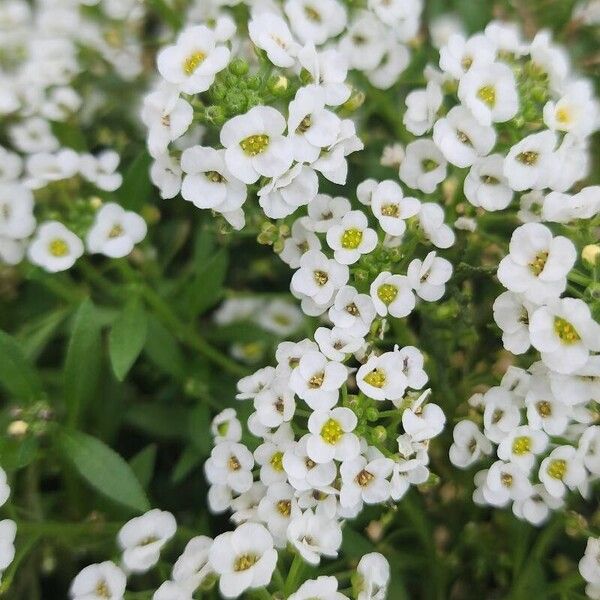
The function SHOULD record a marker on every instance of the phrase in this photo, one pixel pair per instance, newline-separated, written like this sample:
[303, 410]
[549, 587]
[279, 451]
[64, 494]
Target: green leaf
[188, 460]
[163, 350]
[136, 188]
[159, 420]
[206, 289]
[17, 453]
[103, 469]
[198, 429]
[37, 335]
[127, 338]
[84, 360]
[17, 374]
[166, 13]
[143, 463]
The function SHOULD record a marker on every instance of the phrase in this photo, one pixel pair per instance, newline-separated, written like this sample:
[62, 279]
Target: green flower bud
[379, 434]
[218, 91]
[252, 99]
[239, 66]
[305, 77]
[253, 82]
[355, 101]
[278, 85]
[372, 413]
[235, 102]
[215, 114]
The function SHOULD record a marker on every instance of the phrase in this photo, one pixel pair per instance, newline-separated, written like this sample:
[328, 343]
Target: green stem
[294, 575]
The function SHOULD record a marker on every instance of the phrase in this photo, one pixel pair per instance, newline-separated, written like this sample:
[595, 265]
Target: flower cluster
[50, 192]
[240, 560]
[521, 99]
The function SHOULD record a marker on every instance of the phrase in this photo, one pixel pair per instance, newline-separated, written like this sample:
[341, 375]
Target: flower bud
[591, 254]
[379, 434]
[239, 66]
[278, 85]
[355, 101]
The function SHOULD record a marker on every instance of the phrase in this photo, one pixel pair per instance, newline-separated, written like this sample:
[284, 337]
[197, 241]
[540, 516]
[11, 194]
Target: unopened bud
[18, 428]
[591, 254]
[355, 101]
[278, 85]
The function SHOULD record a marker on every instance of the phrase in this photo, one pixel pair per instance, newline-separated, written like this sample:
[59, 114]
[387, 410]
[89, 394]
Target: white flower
[406, 473]
[580, 386]
[269, 455]
[142, 539]
[392, 156]
[192, 568]
[423, 423]
[311, 126]
[280, 317]
[392, 294]
[544, 410]
[275, 404]
[54, 247]
[382, 377]
[103, 580]
[531, 207]
[391, 207]
[230, 464]
[226, 427]
[521, 446]
[562, 469]
[550, 58]
[101, 170]
[506, 481]
[165, 174]
[351, 238]
[244, 507]
[115, 231]
[428, 277]
[303, 472]
[33, 135]
[506, 37]
[11, 251]
[490, 93]
[486, 185]
[283, 195]
[249, 386]
[276, 509]
[270, 32]
[352, 311]
[11, 165]
[167, 117]
[530, 162]
[170, 590]
[538, 263]
[316, 21]
[336, 343]
[365, 481]
[536, 509]
[564, 208]
[194, 60]
[328, 69]
[501, 413]
[589, 449]
[571, 163]
[16, 211]
[469, 444]
[317, 380]
[393, 62]
[374, 572]
[8, 532]
[442, 27]
[460, 55]
[244, 559]
[424, 166]
[314, 535]
[564, 332]
[364, 43]
[461, 138]
[512, 314]
[4, 487]
[317, 280]
[301, 241]
[589, 565]
[324, 211]
[43, 168]
[331, 435]
[208, 182]
[322, 588]
[576, 111]
[422, 107]
[255, 144]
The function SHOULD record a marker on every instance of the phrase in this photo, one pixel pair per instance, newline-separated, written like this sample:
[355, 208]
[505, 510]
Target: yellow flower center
[538, 263]
[312, 14]
[565, 331]
[102, 589]
[387, 293]
[316, 381]
[390, 210]
[352, 309]
[544, 408]
[244, 562]
[277, 461]
[351, 239]
[487, 94]
[521, 445]
[490, 180]
[222, 428]
[376, 378]
[214, 177]
[255, 144]
[305, 124]
[192, 62]
[429, 165]
[557, 468]
[284, 508]
[529, 157]
[332, 431]
[233, 463]
[116, 231]
[463, 138]
[506, 479]
[58, 248]
[563, 116]
[466, 62]
[364, 478]
[321, 277]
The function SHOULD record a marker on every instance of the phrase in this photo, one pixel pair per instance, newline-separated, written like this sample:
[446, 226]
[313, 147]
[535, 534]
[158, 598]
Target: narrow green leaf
[17, 375]
[127, 338]
[83, 362]
[143, 463]
[163, 350]
[136, 188]
[188, 460]
[198, 429]
[206, 288]
[36, 336]
[103, 469]
[159, 420]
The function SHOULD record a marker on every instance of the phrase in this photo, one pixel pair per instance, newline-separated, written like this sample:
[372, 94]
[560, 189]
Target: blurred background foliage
[117, 367]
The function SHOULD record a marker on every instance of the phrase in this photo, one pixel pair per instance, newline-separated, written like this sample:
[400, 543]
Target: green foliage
[17, 375]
